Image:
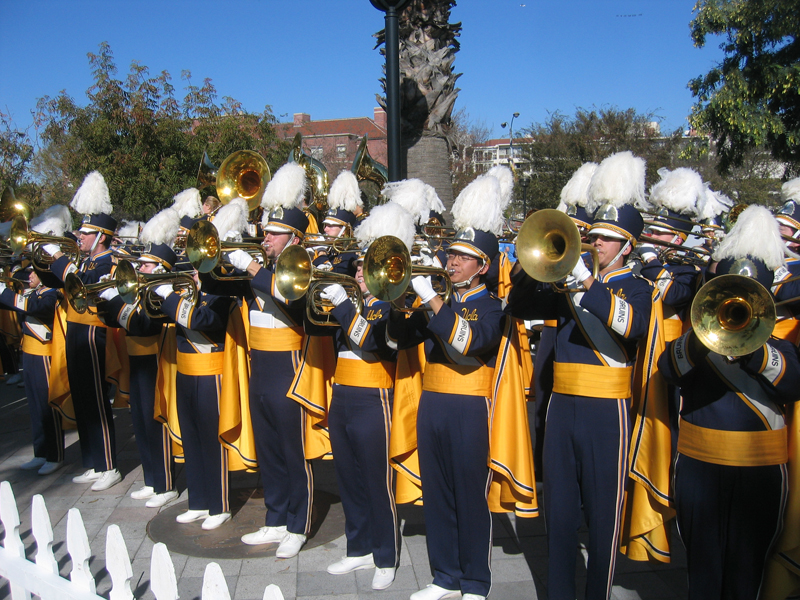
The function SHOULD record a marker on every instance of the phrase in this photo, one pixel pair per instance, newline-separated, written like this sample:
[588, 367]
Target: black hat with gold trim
[675, 199]
[161, 254]
[616, 189]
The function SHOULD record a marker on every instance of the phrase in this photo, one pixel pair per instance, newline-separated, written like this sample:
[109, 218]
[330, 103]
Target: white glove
[2, 287]
[164, 290]
[423, 288]
[335, 293]
[109, 293]
[51, 249]
[106, 277]
[424, 259]
[240, 259]
[647, 252]
[580, 272]
[233, 236]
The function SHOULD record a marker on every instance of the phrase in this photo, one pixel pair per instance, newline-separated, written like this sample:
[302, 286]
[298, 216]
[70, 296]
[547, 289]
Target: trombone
[20, 236]
[549, 246]
[296, 277]
[133, 285]
[204, 250]
[388, 272]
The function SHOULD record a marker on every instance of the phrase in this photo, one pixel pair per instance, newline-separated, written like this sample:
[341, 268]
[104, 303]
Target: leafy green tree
[145, 142]
[751, 99]
[16, 152]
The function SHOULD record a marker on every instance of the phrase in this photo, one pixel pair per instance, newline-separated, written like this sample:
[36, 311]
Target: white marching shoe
[107, 479]
[290, 546]
[351, 563]
[434, 592]
[87, 476]
[35, 463]
[191, 515]
[50, 467]
[214, 521]
[158, 500]
[143, 493]
[265, 535]
[383, 578]
[472, 597]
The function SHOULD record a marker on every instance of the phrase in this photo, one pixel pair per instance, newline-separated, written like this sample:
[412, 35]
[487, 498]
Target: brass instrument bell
[316, 173]
[204, 249]
[20, 236]
[82, 296]
[132, 286]
[243, 174]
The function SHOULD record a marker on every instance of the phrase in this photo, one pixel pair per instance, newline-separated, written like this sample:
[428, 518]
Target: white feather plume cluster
[92, 198]
[56, 220]
[680, 190]
[387, 219]
[188, 204]
[434, 202]
[618, 180]
[576, 191]
[479, 206]
[712, 204]
[412, 195]
[231, 217]
[756, 234]
[791, 190]
[286, 189]
[344, 192]
[129, 230]
[505, 177]
[161, 228]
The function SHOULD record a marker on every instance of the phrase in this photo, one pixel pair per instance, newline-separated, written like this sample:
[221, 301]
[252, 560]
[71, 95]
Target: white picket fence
[41, 578]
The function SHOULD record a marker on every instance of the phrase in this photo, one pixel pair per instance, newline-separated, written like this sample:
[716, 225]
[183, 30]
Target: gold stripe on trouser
[734, 448]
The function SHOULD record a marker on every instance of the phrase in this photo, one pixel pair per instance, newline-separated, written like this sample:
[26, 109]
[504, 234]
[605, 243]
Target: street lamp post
[524, 182]
[510, 139]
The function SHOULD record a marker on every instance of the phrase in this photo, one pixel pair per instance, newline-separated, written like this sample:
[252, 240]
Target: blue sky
[317, 57]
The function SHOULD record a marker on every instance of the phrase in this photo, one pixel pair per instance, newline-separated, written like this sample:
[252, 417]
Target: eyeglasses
[458, 257]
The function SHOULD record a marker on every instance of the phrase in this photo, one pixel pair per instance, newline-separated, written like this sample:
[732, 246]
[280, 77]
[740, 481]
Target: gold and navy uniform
[86, 368]
[359, 422]
[37, 308]
[200, 340]
[461, 344]
[730, 472]
[152, 437]
[587, 427]
[788, 325]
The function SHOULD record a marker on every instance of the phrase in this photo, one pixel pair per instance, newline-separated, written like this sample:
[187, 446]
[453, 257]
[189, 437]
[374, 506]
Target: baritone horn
[133, 286]
[549, 246]
[83, 296]
[388, 272]
[296, 277]
[204, 250]
[20, 236]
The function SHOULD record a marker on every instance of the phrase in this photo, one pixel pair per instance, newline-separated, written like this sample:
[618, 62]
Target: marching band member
[360, 414]
[142, 339]
[462, 341]
[788, 326]
[276, 338]
[586, 441]
[730, 472]
[86, 336]
[344, 202]
[37, 306]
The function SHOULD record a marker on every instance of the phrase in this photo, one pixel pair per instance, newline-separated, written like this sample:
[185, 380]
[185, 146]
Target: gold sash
[592, 381]
[465, 380]
[276, 340]
[734, 448]
[209, 363]
[358, 373]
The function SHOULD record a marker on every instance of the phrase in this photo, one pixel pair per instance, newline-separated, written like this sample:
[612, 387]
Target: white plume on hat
[53, 221]
[680, 190]
[412, 195]
[232, 217]
[344, 192]
[92, 198]
[712, 204]
[286, 189]
[791, 190]
[188, 204]
[434, 202]
[618, 180]
[129, 229]
[506, 178]
[756, 233]
[387, 219]
[576, 191]
[479, 206]
[161, 228]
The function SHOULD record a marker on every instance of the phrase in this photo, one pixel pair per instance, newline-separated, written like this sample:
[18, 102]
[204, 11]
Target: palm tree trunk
[426, 158]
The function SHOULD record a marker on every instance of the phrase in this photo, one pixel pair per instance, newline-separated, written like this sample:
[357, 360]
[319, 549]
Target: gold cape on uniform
[312, 387]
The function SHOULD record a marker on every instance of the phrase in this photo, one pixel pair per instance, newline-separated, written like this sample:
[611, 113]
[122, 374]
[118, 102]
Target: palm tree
[427, 91]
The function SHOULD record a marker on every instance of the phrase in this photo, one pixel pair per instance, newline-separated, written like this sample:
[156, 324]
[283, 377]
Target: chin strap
[621, 250]
[96, 240]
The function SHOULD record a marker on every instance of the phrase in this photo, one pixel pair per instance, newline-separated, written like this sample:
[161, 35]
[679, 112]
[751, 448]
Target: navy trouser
[728, 518]
[359, 422]
[86, 369]
[453, 444]
[279, 429]
[152, 439]
[585, 462]
[48, 436]
[206, 458]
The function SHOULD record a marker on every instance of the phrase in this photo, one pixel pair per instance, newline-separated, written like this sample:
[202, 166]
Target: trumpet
[82, 296]
[549, 246]
[296, 277]
[388, 272]
[20, 236]
[133, 285]
[733, 315]
[204, 250]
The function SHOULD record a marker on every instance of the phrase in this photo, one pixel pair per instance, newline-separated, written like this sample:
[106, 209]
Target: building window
[341, 150]
[316, 152]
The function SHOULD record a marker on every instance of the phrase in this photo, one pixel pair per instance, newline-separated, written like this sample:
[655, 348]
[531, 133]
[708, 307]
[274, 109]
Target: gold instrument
[243, 174]
[20, 236]
[296, 277]
[316, 173]
[388, 272]
[549, 246]
[133, 285]
[10, 207]
[15, 285]
[204, 250]
[82, 296]
[683, 255]
[337, 244]
[733, 315]
[206, 172]
[371, 172]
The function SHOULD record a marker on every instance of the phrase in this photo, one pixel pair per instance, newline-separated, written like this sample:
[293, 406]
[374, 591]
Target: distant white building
[500, 151]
